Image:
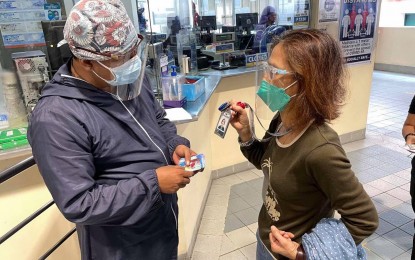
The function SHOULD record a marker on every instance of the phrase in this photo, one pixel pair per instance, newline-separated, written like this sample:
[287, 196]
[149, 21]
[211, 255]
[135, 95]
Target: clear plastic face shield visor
[125, 73]
[271, 96]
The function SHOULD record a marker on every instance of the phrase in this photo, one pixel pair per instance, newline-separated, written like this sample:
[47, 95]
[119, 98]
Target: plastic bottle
[175, 91]
[173, 74]
[193, 54]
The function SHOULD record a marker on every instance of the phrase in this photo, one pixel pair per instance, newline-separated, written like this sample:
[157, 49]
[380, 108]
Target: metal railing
[16, 169]
[11, 172]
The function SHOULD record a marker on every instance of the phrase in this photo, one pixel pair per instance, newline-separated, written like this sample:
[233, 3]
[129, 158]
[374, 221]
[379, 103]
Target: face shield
[268, 35]
[271, 97]
[125, 73]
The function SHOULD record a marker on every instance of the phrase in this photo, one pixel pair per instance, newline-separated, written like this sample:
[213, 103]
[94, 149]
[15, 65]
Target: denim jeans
[262, 252]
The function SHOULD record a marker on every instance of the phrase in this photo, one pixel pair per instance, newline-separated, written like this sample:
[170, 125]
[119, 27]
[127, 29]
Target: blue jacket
[99, 165]
[330, 239]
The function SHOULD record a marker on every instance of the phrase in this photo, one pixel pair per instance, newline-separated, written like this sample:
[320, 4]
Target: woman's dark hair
[318, 62]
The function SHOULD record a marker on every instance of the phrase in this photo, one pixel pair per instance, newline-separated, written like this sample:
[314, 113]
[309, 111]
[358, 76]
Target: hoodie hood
[63, 84]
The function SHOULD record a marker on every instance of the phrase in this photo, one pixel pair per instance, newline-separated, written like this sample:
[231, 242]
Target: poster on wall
[357, 29]
[53, 11]
[301, 14]
[285, 12]
[328, 11]
[20, 23]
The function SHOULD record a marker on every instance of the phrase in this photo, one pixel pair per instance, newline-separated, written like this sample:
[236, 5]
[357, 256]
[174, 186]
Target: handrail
[16, 169]
[60, 242]
[25, 222]
[11, 172]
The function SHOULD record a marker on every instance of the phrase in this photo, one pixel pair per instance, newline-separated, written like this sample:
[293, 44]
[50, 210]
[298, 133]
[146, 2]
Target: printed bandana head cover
[99, 26]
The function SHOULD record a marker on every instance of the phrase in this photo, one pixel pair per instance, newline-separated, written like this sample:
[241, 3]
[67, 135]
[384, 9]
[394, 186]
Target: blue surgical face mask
[273, 96]
[124, 74]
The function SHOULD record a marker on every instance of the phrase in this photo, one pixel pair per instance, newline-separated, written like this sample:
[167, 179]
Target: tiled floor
[229, 222]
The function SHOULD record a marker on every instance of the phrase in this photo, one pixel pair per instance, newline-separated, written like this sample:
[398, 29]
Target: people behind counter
[250, 35]
[268, 16]
[244, 34]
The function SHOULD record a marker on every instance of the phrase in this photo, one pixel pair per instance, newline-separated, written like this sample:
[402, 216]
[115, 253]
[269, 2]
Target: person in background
[142, 21]
[103, 145]
[196, 16]
[307, 173]
[408, 133]
[268, 16]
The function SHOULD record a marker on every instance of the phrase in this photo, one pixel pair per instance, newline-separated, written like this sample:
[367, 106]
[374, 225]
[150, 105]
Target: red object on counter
[190, 81]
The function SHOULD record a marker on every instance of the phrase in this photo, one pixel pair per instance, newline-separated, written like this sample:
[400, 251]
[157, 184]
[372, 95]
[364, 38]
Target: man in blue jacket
[103, 145]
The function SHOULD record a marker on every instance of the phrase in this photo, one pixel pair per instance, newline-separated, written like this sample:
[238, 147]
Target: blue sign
[251, 60]
[224, 48]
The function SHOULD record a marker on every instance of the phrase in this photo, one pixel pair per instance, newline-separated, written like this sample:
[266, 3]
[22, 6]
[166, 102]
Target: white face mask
[124, 74]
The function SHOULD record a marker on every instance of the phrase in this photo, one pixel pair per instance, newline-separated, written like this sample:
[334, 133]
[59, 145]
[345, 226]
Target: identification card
[223, 123]
[197, 163]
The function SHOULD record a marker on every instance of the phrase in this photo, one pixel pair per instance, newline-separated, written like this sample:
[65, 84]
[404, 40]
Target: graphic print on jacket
[270, 200]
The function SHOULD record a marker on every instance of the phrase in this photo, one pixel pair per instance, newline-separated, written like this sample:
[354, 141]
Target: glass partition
[31, 30]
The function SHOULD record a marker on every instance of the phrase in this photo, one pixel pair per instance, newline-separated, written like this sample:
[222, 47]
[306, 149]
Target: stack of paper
[177, 114]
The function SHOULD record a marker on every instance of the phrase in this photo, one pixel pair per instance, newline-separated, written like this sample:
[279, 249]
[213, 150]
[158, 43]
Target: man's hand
[281, 243]
[172, 178]
[182, 151]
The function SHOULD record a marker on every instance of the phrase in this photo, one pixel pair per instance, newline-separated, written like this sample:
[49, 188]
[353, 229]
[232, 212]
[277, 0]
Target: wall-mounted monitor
[246, 21]
[207, 23]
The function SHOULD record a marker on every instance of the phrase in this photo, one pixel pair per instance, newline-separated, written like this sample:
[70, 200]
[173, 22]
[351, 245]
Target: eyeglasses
[270, 71]
[117, 56]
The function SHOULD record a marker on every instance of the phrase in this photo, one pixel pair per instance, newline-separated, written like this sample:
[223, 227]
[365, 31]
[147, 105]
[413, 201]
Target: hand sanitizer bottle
[175, 91]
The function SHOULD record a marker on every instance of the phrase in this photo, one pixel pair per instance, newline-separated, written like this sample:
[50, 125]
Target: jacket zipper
[174, 214]
[167, 163]
[142, 128]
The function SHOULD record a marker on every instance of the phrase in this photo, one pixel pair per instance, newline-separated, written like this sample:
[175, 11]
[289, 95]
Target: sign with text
[357, 29]
[52, 11]
[224, 48]
[20, 23]
[251, 60]
[328, 11]
[301, 14]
